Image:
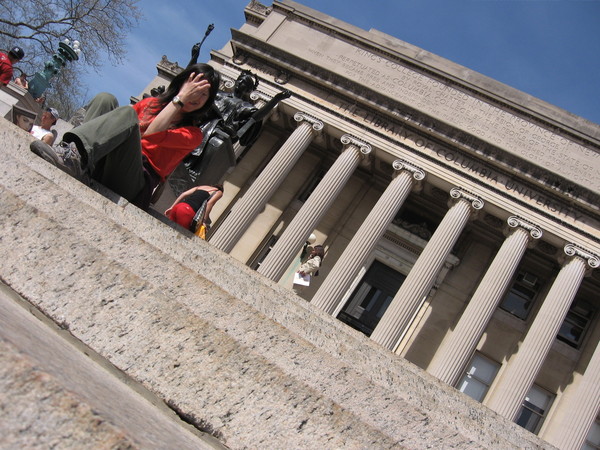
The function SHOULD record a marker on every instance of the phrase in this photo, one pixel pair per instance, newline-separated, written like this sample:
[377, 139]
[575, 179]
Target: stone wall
[232, 353]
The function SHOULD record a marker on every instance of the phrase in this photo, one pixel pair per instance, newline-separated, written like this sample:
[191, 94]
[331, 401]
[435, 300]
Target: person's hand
[168, 211]
[194, 92]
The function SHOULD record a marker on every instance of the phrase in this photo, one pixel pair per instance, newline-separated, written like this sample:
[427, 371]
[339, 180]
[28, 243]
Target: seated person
[43, 131]
[189, 202]
[21, 80]
[7, 60]
[131, 150]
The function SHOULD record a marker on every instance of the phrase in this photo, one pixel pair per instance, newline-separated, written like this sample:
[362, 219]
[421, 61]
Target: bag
[201, 232]
[198, 219]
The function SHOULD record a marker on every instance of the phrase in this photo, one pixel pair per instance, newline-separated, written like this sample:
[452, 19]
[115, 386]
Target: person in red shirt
[7, 60]
[132, 150]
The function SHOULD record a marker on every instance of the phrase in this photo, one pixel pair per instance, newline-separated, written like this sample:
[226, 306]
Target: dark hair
[319, 250]
[193, 118]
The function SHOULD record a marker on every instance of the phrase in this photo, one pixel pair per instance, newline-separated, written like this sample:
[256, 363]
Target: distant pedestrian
[21, 80]
[312, 264]
[309, 267]
[7, 60]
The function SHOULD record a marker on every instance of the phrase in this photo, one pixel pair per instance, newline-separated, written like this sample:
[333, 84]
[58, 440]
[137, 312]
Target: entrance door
[371, 298]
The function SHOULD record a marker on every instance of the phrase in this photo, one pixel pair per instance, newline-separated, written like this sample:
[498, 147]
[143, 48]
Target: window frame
[541, 417]
[468, 375]
[519, 281]
[578, 302]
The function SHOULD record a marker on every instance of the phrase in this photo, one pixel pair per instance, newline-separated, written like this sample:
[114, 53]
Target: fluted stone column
[453, 355]
[348, 266]
[255, 198]
[296, 233]
[583, 407]
[523, 368]
[415, 287]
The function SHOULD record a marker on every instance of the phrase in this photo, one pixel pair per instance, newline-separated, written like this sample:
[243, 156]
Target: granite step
[227, 349]
[57, 393]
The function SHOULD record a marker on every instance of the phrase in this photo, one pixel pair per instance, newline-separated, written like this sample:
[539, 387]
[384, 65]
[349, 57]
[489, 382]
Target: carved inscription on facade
[445, 103]
[463, 163]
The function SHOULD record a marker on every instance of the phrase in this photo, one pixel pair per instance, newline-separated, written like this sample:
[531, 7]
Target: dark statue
[198, 45]
[235, 119]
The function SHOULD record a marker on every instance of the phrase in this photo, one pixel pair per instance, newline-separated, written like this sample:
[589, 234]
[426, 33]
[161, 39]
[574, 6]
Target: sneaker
[64, 155]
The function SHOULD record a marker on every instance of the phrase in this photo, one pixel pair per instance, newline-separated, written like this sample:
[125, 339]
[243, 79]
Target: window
[576, 323]
[479, 377]
[534, 409]
[521, 295]
[592, 441]
[371, 298]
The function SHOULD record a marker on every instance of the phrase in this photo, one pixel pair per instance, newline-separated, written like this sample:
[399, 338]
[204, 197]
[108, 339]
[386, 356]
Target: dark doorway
[371, 298]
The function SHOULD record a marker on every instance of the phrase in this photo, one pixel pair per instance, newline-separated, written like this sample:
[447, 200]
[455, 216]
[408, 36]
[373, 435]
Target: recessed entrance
[371, 298]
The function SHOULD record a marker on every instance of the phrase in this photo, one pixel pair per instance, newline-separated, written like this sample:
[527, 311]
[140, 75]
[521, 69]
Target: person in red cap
[7, 60]
[185, 207]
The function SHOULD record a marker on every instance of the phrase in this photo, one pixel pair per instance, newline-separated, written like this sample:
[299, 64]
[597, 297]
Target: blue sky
[547, 48]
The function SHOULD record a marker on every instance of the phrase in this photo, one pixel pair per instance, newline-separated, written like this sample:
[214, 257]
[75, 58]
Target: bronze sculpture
[235, 120]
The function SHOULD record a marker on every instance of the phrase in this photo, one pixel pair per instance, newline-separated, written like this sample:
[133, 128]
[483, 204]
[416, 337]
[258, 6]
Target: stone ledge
[161, 288]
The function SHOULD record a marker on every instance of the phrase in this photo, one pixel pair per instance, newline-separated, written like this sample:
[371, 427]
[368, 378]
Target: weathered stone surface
[38, 412]
[57, 391]
[225, 347]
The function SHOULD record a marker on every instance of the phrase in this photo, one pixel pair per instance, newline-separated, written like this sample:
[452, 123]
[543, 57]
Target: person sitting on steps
[131, 150]
[43, 131]
[185, 207]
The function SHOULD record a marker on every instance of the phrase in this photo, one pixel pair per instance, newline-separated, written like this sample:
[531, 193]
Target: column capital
[591, 258]
[316, 124]
[228, 82]
[401, 164]
[259, 95]
[534, 231]
[364, 148]
[460, 193]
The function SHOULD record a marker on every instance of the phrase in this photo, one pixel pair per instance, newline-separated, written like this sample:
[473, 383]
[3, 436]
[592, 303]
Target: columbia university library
[459, 216]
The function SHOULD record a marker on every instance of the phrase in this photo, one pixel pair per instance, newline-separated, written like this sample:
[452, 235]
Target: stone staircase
[243, 360]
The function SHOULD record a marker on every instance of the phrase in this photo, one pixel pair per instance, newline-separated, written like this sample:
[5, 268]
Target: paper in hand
[302, 280]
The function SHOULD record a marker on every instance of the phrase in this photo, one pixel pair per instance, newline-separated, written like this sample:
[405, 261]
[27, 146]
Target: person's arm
[49, 138]
[194, 90]
[310, 266]
[214, 199]
[181, 197]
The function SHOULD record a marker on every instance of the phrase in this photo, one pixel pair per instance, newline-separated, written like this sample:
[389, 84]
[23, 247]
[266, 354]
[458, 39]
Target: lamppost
[67, 51]
[196, 47]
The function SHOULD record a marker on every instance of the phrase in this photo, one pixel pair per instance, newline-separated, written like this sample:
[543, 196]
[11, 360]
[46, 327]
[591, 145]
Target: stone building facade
[460, 216]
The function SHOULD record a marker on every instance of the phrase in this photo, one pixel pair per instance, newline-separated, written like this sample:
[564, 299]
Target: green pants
[110, 143]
